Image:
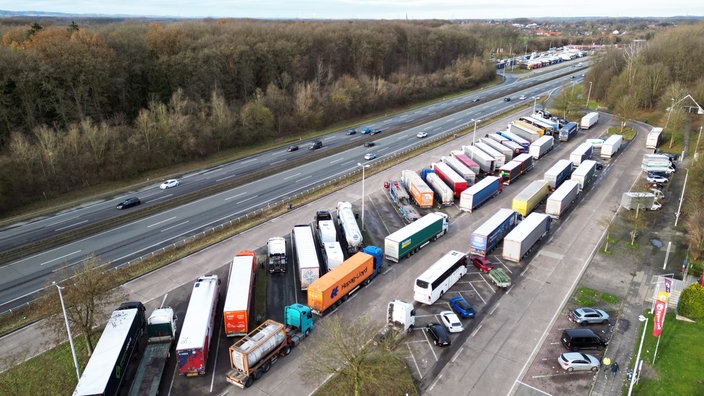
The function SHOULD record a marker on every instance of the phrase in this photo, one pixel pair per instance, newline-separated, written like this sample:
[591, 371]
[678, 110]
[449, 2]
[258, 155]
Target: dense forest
[86, 104]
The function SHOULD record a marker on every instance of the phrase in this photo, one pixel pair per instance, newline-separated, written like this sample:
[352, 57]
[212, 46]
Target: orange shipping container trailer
[239, 293]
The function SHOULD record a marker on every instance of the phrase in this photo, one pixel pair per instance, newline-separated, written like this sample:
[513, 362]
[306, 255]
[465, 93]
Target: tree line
[80, 105]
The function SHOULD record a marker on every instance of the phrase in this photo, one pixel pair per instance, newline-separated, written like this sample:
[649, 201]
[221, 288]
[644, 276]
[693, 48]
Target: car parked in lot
[462, 307]
[657, 179]
[576, 339]
[657, 174]
[292, 147]
[451, 321]
[585, 316]
[128, 203]
[369, 156]
[438, 333]
[369, 144]
[482, 263]
[169, 184]
[421, 135]
[576, 361]
[658, 186]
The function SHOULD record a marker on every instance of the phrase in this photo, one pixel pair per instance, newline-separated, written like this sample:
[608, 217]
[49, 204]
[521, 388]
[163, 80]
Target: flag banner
[668, 284]
[660, 308]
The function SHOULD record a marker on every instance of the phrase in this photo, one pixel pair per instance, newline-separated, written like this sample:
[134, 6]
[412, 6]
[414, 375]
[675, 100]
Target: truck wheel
[248, 382]
[287, 350]
[307, 332]
[266, 366]
[258, 373]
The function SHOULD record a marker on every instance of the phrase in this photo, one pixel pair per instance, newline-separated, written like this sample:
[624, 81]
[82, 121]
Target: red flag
[660, 308]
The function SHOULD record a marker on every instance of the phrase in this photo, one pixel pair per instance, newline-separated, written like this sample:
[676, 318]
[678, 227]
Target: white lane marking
[71, 225]
[292, 176]
[174, 226]
[59, 258]
[235, 196]
[159, 222]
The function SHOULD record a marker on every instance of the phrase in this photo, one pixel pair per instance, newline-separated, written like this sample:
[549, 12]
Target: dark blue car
[462, 307]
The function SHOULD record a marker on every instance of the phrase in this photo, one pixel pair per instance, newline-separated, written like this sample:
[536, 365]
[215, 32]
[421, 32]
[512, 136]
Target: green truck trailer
[415, 236]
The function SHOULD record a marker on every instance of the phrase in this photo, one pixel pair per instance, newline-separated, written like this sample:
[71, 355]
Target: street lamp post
[589, 94]
[535, 101]
[363, 167]
[669, 113]
[68, 330]
[474, 135]
[635, 366]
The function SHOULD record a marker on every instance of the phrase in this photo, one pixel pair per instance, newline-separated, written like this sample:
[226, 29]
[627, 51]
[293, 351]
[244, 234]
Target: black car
[438, 333]
[369, 144]
[507, 99]
[129, 202]
[476, 99]
[292, 147]
[315, 145]
[351, 132]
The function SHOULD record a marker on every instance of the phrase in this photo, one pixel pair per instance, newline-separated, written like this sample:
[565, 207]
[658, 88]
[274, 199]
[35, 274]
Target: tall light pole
[635, 366]
[589, 94]
[363, 167]
[68, 330]
[535, 101]
[670, 113]
[474, 135]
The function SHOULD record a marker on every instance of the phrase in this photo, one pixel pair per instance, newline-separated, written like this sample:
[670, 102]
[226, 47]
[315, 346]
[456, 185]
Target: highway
[22, 278]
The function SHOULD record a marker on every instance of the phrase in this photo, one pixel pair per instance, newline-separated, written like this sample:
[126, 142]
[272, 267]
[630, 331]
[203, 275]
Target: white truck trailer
[589, 120]
[526, 234]
[561, 199]
[611, 146]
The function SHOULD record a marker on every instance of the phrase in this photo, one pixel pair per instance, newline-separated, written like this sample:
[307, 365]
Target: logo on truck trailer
[351, 282]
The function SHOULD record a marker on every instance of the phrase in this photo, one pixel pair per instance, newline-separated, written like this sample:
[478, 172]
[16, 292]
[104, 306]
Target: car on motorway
[585, 316]
[438, 333]
[366, 131]
[507, 99]
[375, 131]
[169, 184]
[369, 156]
[128, 203]
[462, 307]
[421, 135]
[351, 132]
[369, 144]
[577, 361]
[451, 321]
[522, 97]
[315, 145]
[482, 263]
[657, 179]
[475, 100]
[292, 147]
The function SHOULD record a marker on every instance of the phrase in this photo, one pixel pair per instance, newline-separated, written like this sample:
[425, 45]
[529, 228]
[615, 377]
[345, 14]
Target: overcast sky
[365, 9]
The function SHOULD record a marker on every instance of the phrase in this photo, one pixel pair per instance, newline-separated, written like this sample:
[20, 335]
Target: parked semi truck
[306, 254]
[415, 236]
[611, 146]
[567, 131]
[526, 234]
[112, 354]
[639, 200]
[558, 173]
[398, 193]
[541, 147]
[589, 120]
[333, 288]
[479, 193]
[559, 201]
[238, 297]
[584, 173]
[400, 320]
[581, 153]
[461, 169]
[507, 152]
[656, 163]
[498, 157]
[526, 200]
[517, 148]
[653, 139]
[349, 226]
[443, 193]
[516, 139]
[485, 161]
[456, 182]
[326, 231]
[525, 130]
[332, 255]
[254, 354]
[510, 172]
[276, 255]
[161, 335]
[466, 161]
[193, 344]
[421, 193]
[526, 161]
[485, 238]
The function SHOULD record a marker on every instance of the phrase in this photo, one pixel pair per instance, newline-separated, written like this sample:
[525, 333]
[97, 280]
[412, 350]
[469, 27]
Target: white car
[169, 183]
[421, 135]
[451, 321]
[576, 361]
[522, 97]
[369, 156]
[657, 179]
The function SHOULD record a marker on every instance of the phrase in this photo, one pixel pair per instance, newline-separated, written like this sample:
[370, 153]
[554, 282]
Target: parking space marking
[534, 388]
[425, 334]
[415, 362]
[476, 331]
[434, 382]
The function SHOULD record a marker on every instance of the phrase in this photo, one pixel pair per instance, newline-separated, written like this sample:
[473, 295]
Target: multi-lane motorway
[20, 279]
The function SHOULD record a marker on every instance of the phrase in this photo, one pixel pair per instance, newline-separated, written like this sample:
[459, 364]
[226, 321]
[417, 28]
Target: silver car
[576, 361]
[586, 316]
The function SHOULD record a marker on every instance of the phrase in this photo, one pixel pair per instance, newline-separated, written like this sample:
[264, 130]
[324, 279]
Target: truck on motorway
[467, 174]
[400, 320]
[456, 182]
[541, 147]
[507, 152]
[498, 157]
[561, 199]
[333, 288]
[510, 172]
[653, 139]
[161, 335]
[421, 193]
[558, 173]
[526, 200]
[584, 173]
[466, 161]
[639, 200]
[526, 161]
[479, 193]
[443, 192]
[485, 161]
[656, 163]
[516, 139]
[254, 354]
[526, 234]
[589, 120]
[238, 297]
[349, 227]
[485, 238]
[567, 131]
[276, 255]
[581, 153]
[517, 148]
[306, 255]
[525, 130]
[111, 356]
[415, 236]
[611, 146]
[398, 193]
[332, 255]
[197, 331]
